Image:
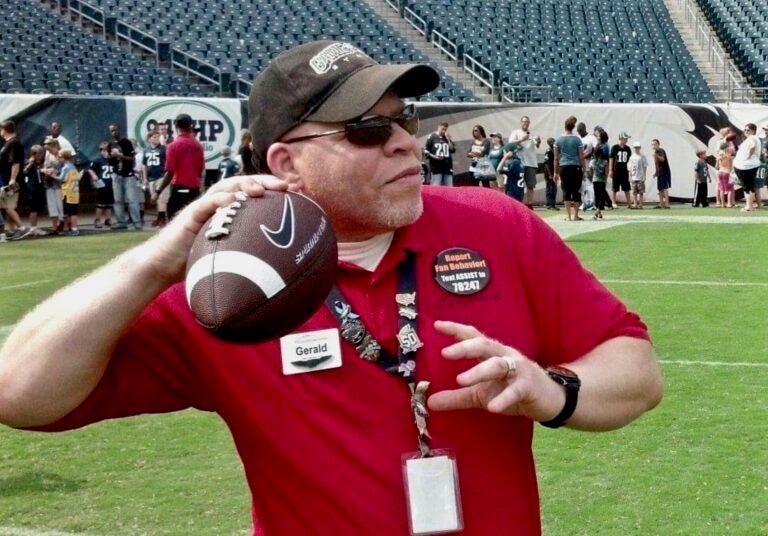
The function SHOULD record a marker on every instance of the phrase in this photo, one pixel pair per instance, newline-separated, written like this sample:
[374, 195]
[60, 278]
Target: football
[260, 267]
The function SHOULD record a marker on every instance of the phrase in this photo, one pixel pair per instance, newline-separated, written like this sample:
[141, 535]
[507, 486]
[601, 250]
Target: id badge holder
[432, 492]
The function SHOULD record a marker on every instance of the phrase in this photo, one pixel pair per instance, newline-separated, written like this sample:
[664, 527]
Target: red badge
[461, 271]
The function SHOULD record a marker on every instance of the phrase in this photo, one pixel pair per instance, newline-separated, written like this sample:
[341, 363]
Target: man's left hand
[505, 381]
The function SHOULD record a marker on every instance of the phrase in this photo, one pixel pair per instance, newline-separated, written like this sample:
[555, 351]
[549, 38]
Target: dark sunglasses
[370, 131]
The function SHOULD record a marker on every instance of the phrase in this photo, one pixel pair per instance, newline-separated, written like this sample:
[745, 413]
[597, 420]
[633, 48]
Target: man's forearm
[620, 380]
[14, 172]
[45, 371]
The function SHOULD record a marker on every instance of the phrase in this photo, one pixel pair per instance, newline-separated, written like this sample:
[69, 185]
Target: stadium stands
[581, 51]
[743, 29]
[42, 52]
[587, 51]
[243, 36]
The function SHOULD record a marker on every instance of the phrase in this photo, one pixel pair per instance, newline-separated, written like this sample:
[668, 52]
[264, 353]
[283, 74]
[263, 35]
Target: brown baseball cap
[325, 81]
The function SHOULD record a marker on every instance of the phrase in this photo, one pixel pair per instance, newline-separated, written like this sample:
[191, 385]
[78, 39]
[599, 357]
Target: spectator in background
[512, 168]
[227, 167]
[70, 191]
[478, 155]
[724, 164]
[184, 167]
[152, 170]
[701, 177]
[662, 172]
[496, 155]
[55, 133]
[101, 174]
[569, 168]
[602, 154]
[549, 175]
[138, 166]
[11, 163]
[246, 154]
[34, 188]
[597, 133]
[762, 172]
[125, 184]
[746, 162]
[617, 169]
[637, 167]
[51, 171]
[528, 145]
[589, 141]
[439, 150]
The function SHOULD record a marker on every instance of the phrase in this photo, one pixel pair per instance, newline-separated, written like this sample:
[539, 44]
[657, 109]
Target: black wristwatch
[571, 383]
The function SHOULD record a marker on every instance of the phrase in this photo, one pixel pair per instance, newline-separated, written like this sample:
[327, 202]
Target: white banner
[216, 121]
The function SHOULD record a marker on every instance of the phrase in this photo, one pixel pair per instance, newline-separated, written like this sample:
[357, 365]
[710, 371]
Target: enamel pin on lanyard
[430, 475]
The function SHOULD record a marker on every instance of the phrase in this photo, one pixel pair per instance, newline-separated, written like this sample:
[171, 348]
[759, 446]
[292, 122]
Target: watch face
[564, 376]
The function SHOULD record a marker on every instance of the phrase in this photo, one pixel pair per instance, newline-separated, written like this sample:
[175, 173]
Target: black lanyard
[403, 365]
[354, 331]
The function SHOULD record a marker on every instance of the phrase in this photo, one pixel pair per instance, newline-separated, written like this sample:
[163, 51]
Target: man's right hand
[167, 252]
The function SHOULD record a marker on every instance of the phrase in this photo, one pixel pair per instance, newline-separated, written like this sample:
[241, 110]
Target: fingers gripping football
[167, 252]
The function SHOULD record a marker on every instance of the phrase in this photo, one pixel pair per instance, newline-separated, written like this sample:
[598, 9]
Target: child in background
[101, 172]
[725, 195]
[51, 171]
[152, 170]
[701, 177]
[602, 154]
[549, 175]
[70, 190]
[34, 188]
[637, 168]
[227, 167]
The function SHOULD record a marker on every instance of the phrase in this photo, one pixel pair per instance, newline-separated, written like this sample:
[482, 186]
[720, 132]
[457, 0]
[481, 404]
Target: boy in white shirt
[637, 167]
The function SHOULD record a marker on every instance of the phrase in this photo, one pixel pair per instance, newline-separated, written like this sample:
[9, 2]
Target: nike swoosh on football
[282, 237]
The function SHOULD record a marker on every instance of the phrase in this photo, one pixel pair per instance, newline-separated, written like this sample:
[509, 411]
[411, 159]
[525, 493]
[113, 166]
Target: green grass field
[696, 465]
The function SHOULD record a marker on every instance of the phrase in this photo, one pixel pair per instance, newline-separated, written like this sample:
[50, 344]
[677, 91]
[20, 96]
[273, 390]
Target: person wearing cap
[617, 170]
[439, 149]
[637, 167]
[325, 451]
[184, 167]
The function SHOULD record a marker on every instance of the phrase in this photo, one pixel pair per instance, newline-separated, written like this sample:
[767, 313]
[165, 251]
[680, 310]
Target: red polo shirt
[185, 158]
[322, 450]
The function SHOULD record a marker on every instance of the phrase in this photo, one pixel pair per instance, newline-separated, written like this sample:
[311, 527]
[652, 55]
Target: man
[64, 143]
[152, 170]
[11, 162]
[184, 167]
[617, 169]
[329, 121]
[125, 183]
[663, 173]
[439, 149]
[528, 144]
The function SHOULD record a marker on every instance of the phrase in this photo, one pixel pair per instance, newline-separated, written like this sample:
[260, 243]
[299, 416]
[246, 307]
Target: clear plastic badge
[432, 492]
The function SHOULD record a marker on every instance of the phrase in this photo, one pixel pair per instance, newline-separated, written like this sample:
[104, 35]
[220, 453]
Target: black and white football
[260, 267]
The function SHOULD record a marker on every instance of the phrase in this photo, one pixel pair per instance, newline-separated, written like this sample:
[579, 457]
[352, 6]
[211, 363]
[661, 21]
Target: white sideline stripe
[686, 283]
[711, 363]
[30, 284]
[256, 270]
[17, 531]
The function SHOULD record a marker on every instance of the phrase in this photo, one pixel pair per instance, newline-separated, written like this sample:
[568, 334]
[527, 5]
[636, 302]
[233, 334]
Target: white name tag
[310, 351]
[432, 489]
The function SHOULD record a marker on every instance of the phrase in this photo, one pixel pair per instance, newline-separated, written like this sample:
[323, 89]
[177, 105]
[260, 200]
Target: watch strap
[571, 383]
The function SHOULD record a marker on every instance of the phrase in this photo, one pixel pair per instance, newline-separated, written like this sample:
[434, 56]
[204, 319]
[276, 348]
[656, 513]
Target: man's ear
[280, 159]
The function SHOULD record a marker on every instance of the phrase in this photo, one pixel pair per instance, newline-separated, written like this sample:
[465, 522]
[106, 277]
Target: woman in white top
[746, 162]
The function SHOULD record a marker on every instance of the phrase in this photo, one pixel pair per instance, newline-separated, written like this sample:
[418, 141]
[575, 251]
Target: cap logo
[325, 60]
